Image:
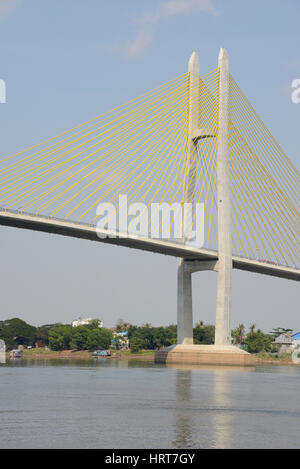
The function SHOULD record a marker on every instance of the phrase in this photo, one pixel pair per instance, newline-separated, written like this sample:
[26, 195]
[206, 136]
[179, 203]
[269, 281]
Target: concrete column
[184, 280]
[184, 305]
[194, 115]
[224, 293]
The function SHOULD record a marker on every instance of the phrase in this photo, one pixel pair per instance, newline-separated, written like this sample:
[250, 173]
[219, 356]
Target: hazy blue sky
[66, 61]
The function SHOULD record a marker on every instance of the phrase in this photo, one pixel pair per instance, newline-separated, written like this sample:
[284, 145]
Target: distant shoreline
[42, 354]
[144, 355]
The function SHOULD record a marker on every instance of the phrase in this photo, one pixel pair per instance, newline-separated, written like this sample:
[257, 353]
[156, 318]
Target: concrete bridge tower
[224, 292]
[224, 265]
[222, 352]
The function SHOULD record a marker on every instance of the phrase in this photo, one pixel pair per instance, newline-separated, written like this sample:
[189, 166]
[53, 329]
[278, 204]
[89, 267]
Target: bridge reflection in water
[211, 407]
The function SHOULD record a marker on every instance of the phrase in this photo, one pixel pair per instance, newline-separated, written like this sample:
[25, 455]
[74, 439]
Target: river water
[130, 404]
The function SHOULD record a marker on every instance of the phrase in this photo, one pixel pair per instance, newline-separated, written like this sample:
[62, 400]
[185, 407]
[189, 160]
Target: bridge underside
[83, 231]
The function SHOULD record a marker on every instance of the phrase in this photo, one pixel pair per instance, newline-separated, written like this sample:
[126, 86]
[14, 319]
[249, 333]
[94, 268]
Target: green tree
[99, 339]
[257, 342]
[136, 344]
[80, 337]
[150, 338]
[280, 330]
[42, 334]
[94, 324]
[238, 334]
[172, 329]
[204, 335]
[16, 332]
[122, 326]
[161, 337]
[60, 337]
[144, 334]
[172, 333]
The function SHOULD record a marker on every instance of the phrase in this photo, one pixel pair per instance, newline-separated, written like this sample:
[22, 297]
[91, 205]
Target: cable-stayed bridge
[196, 139]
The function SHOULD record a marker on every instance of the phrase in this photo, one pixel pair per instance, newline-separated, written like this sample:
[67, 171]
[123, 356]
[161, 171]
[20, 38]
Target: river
[131, 404]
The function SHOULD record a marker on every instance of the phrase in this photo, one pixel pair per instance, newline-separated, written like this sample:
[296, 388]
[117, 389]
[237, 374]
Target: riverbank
[43, 354]
[271, 359]
[146, 355]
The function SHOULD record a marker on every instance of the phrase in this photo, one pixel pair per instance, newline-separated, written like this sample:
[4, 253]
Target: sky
[67, 61]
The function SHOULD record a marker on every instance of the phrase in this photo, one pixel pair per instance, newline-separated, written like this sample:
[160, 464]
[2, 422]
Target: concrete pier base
[205, 355]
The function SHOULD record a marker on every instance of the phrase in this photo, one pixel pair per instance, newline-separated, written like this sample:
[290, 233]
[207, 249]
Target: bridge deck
[175, 249]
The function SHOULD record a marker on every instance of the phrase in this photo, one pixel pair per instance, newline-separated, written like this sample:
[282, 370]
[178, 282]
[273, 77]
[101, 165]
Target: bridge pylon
[224, 266]
[184, 277]
[223, 352]
[224, 289]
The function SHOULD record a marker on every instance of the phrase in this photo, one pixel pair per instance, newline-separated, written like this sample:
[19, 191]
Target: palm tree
[200, 324]
[122, 326]
[239, 333]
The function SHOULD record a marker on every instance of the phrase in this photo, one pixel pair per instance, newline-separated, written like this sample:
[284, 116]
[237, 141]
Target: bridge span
[174, 249]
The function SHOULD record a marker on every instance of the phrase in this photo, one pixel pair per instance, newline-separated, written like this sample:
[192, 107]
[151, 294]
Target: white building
[285, 343]
[122, 338]
[86, 322]
[288, 342]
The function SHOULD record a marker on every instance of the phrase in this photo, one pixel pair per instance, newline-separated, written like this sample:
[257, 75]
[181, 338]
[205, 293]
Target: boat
[15, 354]
[102, 353]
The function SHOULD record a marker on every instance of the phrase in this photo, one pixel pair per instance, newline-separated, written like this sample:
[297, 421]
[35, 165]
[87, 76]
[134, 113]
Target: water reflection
[202, 409]
[124, 404]
[222, 419]
[92, 363]
[184, 425]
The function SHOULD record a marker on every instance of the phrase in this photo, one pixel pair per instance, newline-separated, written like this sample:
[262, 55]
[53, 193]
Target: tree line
[90, 337]
[57, 337]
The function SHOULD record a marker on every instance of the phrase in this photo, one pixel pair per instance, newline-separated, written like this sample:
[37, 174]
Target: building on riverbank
[86, 322]
[284, 343]
[287, 342]
[122, 339]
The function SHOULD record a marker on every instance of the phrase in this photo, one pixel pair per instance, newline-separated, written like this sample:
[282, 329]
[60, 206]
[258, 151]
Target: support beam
[184, 305]
[224, 293]
[200, 266]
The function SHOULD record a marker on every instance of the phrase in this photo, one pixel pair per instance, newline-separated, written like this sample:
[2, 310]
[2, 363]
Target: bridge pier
[223, 352]
[184, 305]
[185, 297]
[185, 351]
